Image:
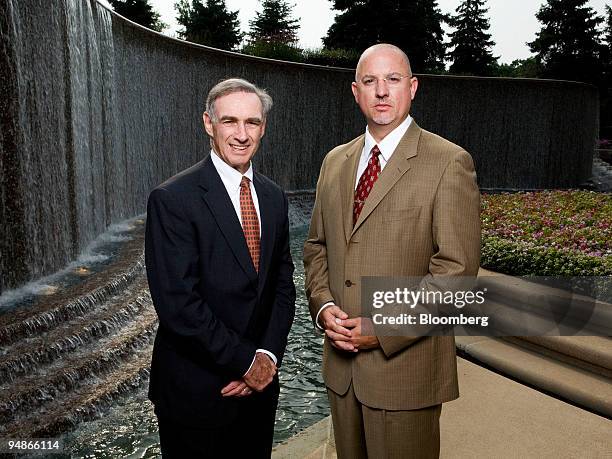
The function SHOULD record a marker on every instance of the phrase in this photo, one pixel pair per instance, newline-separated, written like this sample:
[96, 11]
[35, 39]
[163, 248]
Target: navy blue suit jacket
[214, 309]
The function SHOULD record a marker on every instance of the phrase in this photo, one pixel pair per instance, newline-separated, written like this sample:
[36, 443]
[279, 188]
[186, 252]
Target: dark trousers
[249, 435]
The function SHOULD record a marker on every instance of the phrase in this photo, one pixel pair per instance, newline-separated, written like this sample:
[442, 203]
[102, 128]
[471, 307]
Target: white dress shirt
[386, 146]
[231, 178]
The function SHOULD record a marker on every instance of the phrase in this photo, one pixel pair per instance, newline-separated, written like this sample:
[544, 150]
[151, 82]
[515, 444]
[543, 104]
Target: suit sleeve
[283, 309]
[456, 237]
[315, 256]
[171, 255]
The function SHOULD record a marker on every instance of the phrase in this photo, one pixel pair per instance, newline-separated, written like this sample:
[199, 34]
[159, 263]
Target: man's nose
[382, 89]
[241, 132]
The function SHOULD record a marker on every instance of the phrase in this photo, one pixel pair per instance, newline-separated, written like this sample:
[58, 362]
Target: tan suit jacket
[420, 219]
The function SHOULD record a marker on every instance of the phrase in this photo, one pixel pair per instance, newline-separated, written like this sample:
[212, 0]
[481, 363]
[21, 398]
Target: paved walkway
[495, 417]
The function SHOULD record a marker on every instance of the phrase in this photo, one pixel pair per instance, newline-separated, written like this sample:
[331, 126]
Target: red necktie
[250, 223]
[366, 182]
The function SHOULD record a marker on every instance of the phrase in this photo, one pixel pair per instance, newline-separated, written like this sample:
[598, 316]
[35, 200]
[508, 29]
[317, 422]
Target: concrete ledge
[533, 297]
[311, 443]
[593, 353]
[580, 386]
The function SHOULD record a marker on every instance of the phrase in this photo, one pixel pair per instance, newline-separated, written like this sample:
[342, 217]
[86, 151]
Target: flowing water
[129, 429]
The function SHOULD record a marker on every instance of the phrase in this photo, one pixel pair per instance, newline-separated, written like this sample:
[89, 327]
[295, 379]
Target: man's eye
[368, 81]
[394, 79]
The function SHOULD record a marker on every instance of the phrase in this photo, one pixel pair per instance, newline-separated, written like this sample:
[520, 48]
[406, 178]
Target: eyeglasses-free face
[238, 130]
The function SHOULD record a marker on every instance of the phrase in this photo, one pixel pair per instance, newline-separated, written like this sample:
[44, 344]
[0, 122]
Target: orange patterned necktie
[250, 223]
[366, 182]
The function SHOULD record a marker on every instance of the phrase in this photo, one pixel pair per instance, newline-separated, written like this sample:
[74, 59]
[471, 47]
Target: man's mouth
[239, 147]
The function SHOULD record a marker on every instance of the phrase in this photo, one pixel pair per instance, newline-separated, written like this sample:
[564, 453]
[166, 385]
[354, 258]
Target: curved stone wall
[97, 110]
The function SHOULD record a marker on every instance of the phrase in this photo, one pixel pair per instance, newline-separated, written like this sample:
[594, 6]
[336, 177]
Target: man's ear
[354, 89]
[414, 84]
[263, 128]
[208, 125]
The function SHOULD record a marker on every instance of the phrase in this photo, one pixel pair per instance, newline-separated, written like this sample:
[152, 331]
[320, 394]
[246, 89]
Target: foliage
[210, 24]
[274, 50]
[413, 25]
[568, 45]
[519, 68]
[471, 44]
[606, 49]
[548, 233]
[293, 53]
[331, 57]
[140, 12]
[274, 24]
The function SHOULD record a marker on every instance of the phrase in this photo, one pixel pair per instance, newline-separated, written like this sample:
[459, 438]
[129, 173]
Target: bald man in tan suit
[420, 218]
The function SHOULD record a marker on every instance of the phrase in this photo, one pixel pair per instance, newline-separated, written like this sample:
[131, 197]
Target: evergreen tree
[471, 44]
[608, 28]
[274, 24]
[209, 24]
[605, 93]
[568, 45]
[140, 12]
[413, 25]
[606, 48]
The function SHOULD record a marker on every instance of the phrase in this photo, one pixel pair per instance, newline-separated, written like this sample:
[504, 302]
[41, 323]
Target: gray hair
[233, 85]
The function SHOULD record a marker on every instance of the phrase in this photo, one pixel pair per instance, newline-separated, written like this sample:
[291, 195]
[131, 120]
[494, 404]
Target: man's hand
[261, 372]
[237, 388]
[358, 326]
[339, 336]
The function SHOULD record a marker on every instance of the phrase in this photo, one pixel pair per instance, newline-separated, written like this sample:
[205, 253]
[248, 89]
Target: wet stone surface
[77, 360]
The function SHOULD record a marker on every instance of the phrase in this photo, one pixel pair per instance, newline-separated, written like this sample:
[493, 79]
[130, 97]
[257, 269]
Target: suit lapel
[267, 223]
[216, 197]
[347, 184]
[396, 167]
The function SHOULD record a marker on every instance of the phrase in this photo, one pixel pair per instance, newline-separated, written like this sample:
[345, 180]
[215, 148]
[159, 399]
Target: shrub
[331, 57]
[274, 50]
[563, 233]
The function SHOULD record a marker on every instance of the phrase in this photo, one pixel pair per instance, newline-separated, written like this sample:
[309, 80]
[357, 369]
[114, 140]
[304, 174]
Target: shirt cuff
[263, 351]
[329, 303]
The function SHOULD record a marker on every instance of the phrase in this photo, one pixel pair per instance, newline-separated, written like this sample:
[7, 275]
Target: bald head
[381, 48]
[384, 88]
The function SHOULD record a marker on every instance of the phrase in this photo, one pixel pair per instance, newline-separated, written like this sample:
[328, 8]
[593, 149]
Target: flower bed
[550, 233]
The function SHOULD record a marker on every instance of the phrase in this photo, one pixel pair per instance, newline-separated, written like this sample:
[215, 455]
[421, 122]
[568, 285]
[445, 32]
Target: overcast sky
[513, 22]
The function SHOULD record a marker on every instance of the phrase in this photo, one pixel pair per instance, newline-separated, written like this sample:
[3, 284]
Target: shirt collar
[387, 145]
[230, 176]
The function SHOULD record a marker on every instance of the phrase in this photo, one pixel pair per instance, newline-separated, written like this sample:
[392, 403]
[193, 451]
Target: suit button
[348, 283]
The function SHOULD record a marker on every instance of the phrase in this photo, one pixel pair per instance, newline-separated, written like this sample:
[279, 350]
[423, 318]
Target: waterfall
[95, 111]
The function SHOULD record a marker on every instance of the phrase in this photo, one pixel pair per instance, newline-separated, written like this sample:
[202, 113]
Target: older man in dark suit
[220, 275]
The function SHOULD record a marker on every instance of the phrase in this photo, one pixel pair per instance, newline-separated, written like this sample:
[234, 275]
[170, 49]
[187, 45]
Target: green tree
[567, 46]
[519, 68]
[140, 12]
[274, 24]
[471, 44]
[606, 86]
[209, 24]
[413, 25]
[608, 28]
[606, 50]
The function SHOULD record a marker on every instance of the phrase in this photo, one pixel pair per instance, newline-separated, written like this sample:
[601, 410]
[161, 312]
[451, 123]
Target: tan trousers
[362, 432]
